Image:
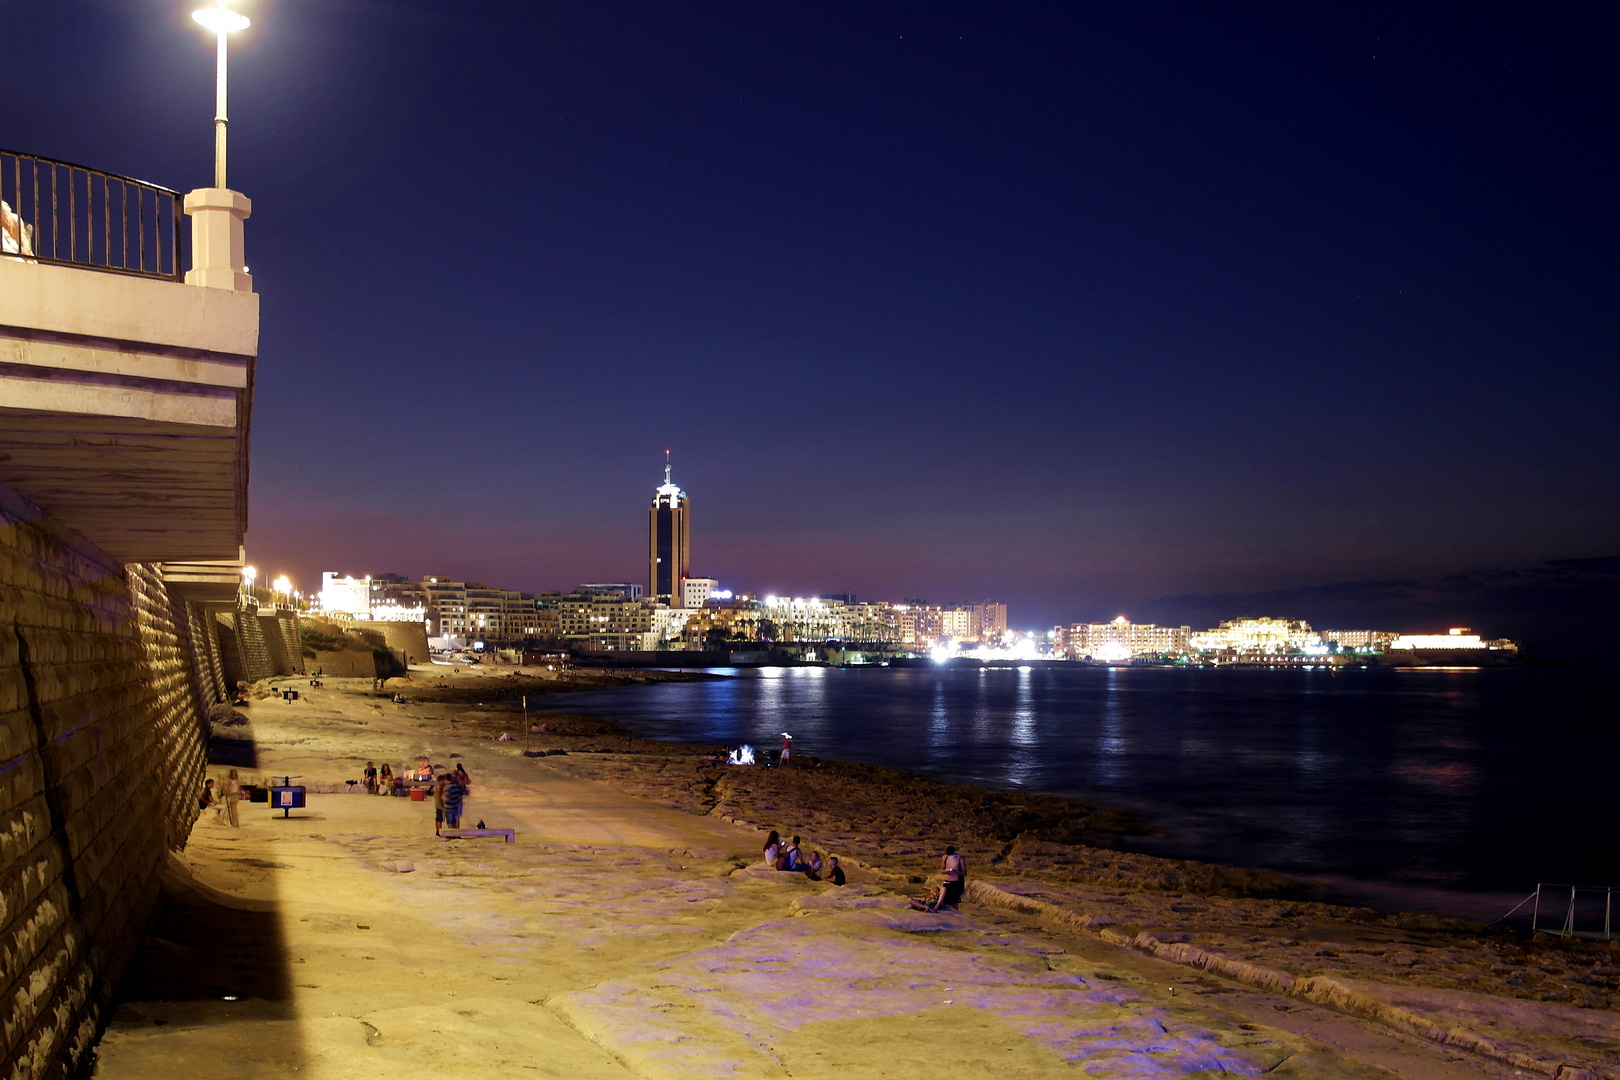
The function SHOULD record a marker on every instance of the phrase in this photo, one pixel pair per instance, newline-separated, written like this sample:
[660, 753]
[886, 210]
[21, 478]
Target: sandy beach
[630, 932]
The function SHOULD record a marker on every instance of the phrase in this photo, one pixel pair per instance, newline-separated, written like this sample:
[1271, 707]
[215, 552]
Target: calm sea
[1487, 781]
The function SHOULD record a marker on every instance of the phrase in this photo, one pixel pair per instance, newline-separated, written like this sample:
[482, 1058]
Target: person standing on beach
[454, 793]
[438, 803]
[954, 867]
[233, 795]
[787, 747]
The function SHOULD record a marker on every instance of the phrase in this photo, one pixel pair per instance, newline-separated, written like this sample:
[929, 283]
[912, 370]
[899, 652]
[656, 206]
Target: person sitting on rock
[790, 859]
[812, 869]
[835, 873]
[932, 902]
[773, 849]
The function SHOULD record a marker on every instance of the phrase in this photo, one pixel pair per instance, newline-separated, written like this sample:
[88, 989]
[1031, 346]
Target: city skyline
[1089, 309]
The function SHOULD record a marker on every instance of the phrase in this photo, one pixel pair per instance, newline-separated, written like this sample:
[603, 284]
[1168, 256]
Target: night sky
[1171, 309]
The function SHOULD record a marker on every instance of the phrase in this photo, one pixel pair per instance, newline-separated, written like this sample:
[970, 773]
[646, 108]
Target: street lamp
[221, 20]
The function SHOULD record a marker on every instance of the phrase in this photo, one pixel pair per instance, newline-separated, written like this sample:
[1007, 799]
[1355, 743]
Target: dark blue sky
[1077, 306]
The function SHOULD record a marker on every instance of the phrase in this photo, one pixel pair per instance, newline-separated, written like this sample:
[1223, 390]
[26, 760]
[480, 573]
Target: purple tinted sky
[1077, 306]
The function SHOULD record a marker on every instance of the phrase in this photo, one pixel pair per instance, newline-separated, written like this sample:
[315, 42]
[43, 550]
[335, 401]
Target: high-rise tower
[669, 541]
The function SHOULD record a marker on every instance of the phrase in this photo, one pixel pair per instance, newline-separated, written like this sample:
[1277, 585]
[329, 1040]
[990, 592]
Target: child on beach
[835, 873]
[812, 869]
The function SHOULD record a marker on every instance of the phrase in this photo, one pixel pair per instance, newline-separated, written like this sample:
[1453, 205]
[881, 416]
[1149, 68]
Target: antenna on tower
[666, 466]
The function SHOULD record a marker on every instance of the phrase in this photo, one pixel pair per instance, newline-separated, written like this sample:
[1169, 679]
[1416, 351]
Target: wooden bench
[462, 834]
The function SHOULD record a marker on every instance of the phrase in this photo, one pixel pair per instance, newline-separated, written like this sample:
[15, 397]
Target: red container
[418, 794]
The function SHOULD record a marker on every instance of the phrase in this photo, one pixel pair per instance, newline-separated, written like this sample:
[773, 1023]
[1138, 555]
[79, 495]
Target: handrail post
[1535, 912]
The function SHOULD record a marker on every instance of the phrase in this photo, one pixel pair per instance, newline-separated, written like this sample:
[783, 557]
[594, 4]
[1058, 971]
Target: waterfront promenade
[621, 938]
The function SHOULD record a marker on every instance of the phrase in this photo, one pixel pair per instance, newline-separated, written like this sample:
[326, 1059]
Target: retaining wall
[101, 756]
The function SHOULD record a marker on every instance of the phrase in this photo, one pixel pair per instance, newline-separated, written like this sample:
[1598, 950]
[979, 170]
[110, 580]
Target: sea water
[1489, 780]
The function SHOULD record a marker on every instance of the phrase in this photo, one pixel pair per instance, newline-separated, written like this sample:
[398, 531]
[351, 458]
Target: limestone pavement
[619, 938]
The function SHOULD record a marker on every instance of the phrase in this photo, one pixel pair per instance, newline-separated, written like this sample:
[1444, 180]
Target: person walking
[233, 795]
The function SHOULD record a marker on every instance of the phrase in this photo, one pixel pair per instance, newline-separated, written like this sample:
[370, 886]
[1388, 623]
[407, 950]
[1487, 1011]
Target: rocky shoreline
[1541, 1005]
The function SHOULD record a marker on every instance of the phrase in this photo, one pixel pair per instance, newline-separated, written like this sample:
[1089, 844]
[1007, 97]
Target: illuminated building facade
[1374, 640]
[472, 611]
[1459, 638]
[669, 542]
[695, 591]
[1263, 635]
[346, 595]
[1122, 639]
[614, 621]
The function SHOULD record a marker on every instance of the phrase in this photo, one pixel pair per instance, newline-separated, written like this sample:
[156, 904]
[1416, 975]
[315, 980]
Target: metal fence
[1578, 911]
[54, 212]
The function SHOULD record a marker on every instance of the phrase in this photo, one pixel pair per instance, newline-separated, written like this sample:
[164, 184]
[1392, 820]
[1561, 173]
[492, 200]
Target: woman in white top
[773, 848]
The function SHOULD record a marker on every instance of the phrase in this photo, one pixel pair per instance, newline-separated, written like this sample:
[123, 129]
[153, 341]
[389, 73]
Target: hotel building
[669, 542]
[1122, 639]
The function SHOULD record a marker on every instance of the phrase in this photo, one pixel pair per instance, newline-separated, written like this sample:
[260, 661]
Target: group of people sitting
[379, 782]
[789, 856]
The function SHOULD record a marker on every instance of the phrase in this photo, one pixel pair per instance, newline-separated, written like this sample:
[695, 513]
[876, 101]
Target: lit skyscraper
[669, 541]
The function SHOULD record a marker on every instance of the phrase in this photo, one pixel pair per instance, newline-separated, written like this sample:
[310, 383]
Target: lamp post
[222, 21]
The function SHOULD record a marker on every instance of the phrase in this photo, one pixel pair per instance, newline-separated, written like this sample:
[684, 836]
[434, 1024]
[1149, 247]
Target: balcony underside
[141, 490]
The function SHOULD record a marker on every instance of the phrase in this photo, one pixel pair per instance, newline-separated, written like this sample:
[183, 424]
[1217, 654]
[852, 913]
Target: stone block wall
[209, 671]
[256, 661]
[101, 755]
[284, 641]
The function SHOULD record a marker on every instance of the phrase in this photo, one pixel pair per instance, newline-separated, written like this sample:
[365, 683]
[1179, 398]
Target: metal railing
[55, 212]
[1586, 911]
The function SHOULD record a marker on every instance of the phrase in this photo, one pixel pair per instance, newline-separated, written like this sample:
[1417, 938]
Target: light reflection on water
[1468, 779]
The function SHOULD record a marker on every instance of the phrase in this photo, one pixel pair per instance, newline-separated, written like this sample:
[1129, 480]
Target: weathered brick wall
[101, 754]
